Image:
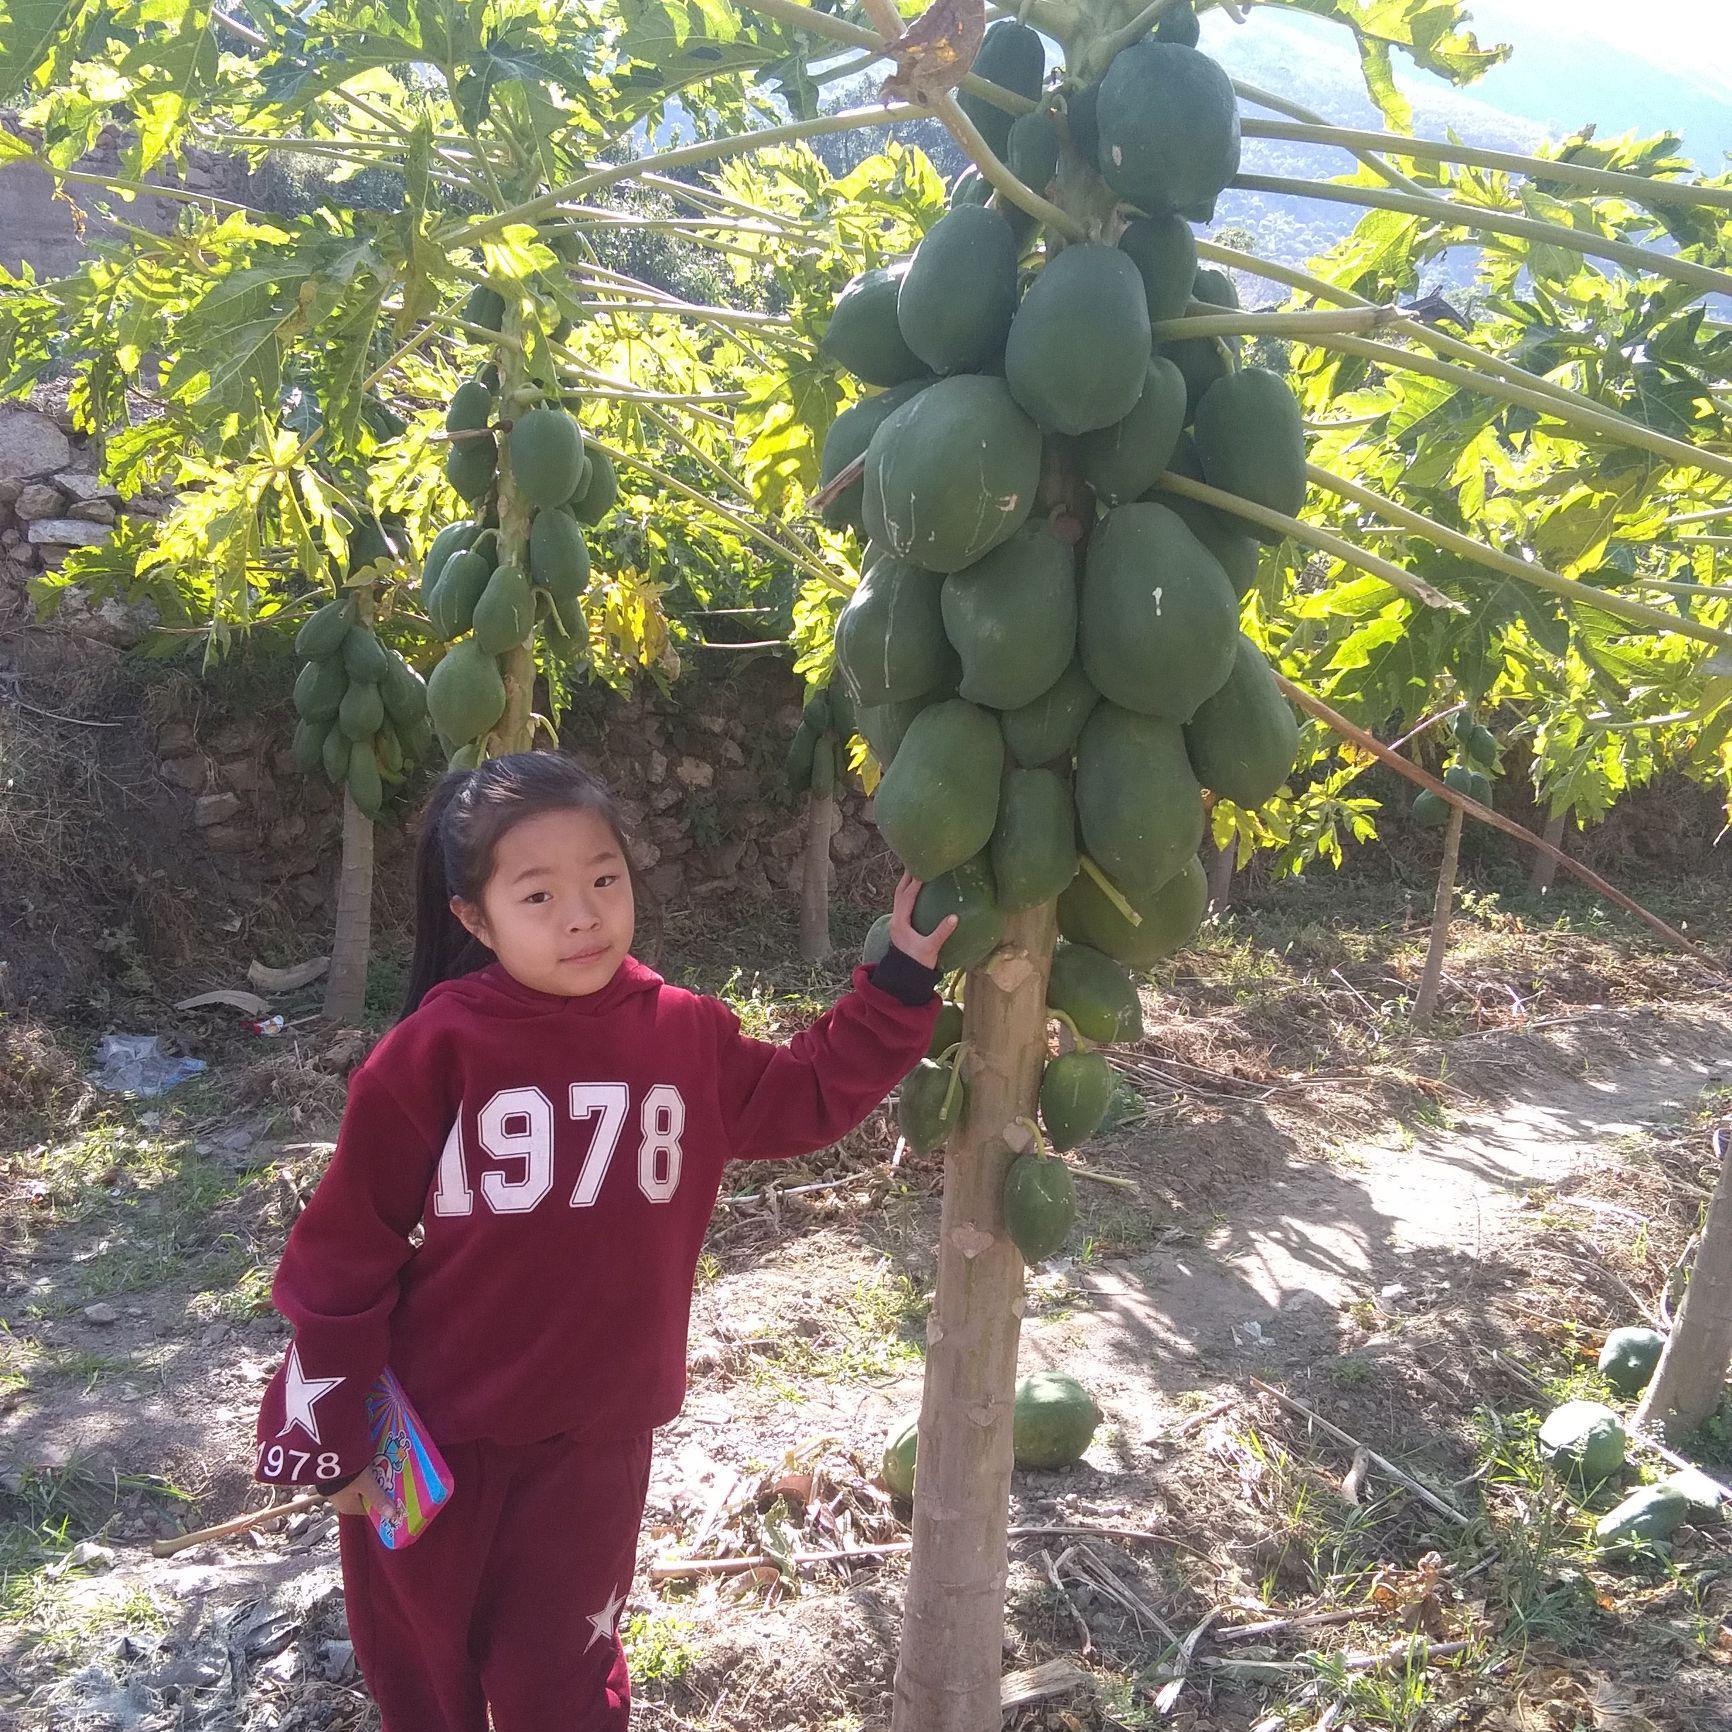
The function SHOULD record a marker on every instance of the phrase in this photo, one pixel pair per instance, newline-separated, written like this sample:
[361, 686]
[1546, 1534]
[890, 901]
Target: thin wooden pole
[1431, 977]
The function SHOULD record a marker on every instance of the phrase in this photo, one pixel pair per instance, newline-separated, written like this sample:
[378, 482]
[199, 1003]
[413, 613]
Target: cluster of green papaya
[817, 754]
[1044, 647]
[481, 601]
[1470, 773]
[362, 708]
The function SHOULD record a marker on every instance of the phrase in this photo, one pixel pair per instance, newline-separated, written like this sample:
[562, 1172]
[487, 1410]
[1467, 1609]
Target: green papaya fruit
[365, 787]
[1053, 1420]
[1074, 1091]
[848, 436]
[1038, 1203]
[1181, 26]
[485, 307]
[882, 726]
[890, 642]
[952, 473]
[1139, 807]
[799, 765]
[1243, 739]
[1235, 552]
[958, 296]
[1169, 129]
[969, 187]
[863, 334]
[600, 490]
[1430, 809]
[844, 722]
[308, 746]
[1203, 361]
[1649, 1515]
[465, 696]
[1171, 914]
[1164, 250]
[1011, 618]
[1032, 149]
[1012, 56]
[362, 711]
[1034, 842]
[1123, 461]
[938, 801]
[1082, 121]
[1078, 350]
[546, 451]
[901, 1448]
[816, 712]
[877, 942]
[470, 465]
[404, 692]
[1479, 787]
[1251, 441]
[364, 657]
[968, 893]
[921, 1117]
[323, 633]
[947, 1031]
[1095, 993]
[465, 757]
[471, 408]
[1460, 778]
[453, 538]
[335, 755]
[505, 614]
[1629, 1358]
[1048, 728]
[319, 688]
[369, 543]
[559, 563]
[389, 749]
[1159, 625]
[1482, 747]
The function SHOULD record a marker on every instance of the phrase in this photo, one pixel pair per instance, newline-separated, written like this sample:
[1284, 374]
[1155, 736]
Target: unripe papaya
[1032, 149]
[1251, 441]
[323, 633]
[364, 657]
[470, 466]
[876, 945]
[365, 787]
[452, 539]
[1242, 740]
[335, 755]
[1074, 1091]
[816, 712]
[1123, 461]
[920, 1112]
[938, 802]
[404, 692]
[546, 451]
[465, 696]
[1095, 993]
[1430, 809]
[389, 750]
[319, 688]
[967, 892]
[1011, 618]
[600, 490]
[844, 724]
[471, 408]
[465, 757]
[801, 750]
[1012, 56]
[1170, 914]
[308, 746]
[863, 334]
[559, 563]
[505, 614]
[947, 1031]
[848, 436]
[1169, 129]
[1164, 250]
[1138, 803]
[1034, 842]
[1039, 1205]
[461, 587]
[361, 712]
[485, 307]
[368, 544]
[1181, 26]
[1048, 728]
[959, 294]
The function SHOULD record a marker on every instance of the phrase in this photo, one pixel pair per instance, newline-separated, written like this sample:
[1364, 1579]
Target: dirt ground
[1420, 1236]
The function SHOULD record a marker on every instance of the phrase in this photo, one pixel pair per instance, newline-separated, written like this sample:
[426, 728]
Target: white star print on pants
[602, 1622]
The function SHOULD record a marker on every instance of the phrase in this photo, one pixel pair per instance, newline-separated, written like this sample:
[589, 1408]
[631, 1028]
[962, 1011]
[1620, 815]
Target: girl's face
[558, 909]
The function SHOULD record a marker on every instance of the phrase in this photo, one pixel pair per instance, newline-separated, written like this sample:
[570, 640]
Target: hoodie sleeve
[338, 1284]
[783, 1101]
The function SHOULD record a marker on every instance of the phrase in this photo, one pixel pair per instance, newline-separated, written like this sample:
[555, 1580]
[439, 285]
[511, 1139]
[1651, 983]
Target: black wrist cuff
[909, 982]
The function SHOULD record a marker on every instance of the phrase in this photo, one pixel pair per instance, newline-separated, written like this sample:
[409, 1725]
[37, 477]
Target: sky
[1690, 38]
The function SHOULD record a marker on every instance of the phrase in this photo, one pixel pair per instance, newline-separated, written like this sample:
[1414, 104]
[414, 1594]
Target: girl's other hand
[923, 947]
[362, 1493]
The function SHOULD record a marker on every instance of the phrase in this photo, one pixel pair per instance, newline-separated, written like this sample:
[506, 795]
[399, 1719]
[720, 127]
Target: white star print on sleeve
[300, 1393]
[602, 1622]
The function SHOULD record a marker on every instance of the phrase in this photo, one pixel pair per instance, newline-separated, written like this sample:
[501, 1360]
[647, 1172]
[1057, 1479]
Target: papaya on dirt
[1053, 1420]
[1074, 1090]
[1078, 347]
[952, 473]
[1048, 728]
[958, 296]
[1123, 461]
[1169, 129]
[901, 1447]
[465, 696]
[1011, 618]
[1095, 993]
[847, 438]
[1243, 739]
[1012, 56]
[1159, 623]
[1034, 842]
[1251, 441]
[863, 334]
[1139, 807]
[890, 642]
[938, 801]
[969, 892]
[545, 446]
[1171, 914]
[1038, 1203]
[1164, 250]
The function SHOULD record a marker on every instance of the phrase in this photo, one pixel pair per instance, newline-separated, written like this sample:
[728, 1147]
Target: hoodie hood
[493, 992]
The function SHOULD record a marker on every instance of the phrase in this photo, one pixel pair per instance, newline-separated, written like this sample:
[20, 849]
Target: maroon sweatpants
[511, 1598]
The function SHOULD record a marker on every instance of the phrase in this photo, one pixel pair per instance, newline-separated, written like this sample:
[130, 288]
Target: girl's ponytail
[444, 947]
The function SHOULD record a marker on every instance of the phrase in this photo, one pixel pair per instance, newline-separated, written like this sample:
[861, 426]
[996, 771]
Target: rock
[10, 488]
[336, 1661]
[188, 773]
[229, 838]
[695, 773]
[850, 841]
[85, 484]
[101, 1313]
[87, 1555]
[66, 532]
[91, 511]
[667, 797]
[31, 444]
[211, 809]
[1701, 1492]
[36, 499]
[174, 738]
[214, 1336]
[233, 737]
[243, 775]
[657, 767]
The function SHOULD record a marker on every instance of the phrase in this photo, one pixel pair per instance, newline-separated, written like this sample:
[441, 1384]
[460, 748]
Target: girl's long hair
[466, 814]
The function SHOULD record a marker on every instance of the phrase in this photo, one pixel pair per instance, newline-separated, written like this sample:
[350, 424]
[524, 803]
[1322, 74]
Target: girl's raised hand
[923, 947]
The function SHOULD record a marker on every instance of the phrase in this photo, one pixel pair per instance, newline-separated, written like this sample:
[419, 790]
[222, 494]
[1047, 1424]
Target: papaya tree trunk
[346, 985]
[815, 888]
[1691, 1376]
[1218, 866]
[1545, 867]
[951, 1658]
[1426, 1001]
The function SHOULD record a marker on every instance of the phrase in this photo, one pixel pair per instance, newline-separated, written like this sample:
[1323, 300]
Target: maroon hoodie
[562, 1157]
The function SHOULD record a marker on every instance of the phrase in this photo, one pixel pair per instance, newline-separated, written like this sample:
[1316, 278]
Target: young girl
[555, 1118]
